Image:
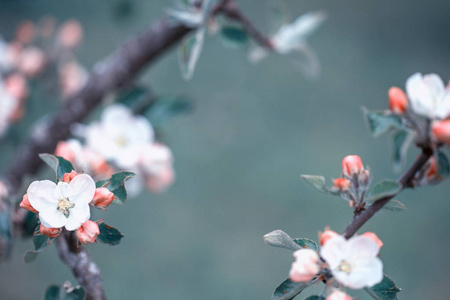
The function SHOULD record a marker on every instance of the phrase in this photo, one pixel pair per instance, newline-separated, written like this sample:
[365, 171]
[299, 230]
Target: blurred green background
[239, 155]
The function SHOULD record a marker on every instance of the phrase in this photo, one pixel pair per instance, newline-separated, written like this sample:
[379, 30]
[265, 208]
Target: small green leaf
[234, 36]
[394, 205]
[166, 107]
[58, 164]
[53, 292]
[189, 53]
[315, 298]
[288, 290]
[279, 238]
[30, 256]
[386, 289]
[131, 96]
[381, 122]
[383, 189]
[30, 223]
[401, 141]
[40, 243]
[116, 184]
[109, 235]
[444, 165]
[317, 182]
[77, 293]
[306, 243]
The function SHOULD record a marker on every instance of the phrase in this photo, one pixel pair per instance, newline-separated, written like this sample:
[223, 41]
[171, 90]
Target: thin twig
[405, 181]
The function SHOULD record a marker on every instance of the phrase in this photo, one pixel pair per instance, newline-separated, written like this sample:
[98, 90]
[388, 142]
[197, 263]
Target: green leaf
[5, 225]
[315, 298]
[288, 290]
[166, 107]
[40, 243]
[131, 96]
[109, 235]
[401, 141]
[58, 164]
[189, 53]
[77, 293]
[30, 223]
[306, 243]
[53, 292]
[279, 238]
[317, 182]
[386, 289]
[234, 36]
[381, 122]
[444, 165]
[383, 189]
[394, 205]
[116, 184]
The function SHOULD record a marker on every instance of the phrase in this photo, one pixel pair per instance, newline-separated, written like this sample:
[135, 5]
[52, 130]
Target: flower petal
[52, 218]
[63, 190]
[334, 250]
[40, 195]
[420, 96]
[78, 215]
[83, 189]
[363, 247]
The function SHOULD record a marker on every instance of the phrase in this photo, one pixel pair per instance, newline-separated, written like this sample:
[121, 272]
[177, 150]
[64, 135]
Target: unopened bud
[441, 131]
[103, 197]
[32, 61]
[25, 32]
[25, 204]
[352, 165]
[87, 233]
[342, 184]
[373, 237]
[398, 102]
[338, 295]
[326, 235]
[70, 34]
[50, 232]
[69, 176]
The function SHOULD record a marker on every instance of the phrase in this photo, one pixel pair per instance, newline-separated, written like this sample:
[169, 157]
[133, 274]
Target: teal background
[239, 155]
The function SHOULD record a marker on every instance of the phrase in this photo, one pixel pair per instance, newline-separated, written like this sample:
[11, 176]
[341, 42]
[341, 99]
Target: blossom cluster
[67, 204]
[35, 51]
[121, 140]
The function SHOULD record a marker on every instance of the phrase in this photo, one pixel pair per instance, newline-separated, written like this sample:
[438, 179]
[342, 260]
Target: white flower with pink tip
[63, 204]
[306, 265]
[353, 262]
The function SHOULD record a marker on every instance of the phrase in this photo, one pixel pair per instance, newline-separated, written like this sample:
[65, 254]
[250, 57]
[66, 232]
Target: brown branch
[84, 269]
[406, 181]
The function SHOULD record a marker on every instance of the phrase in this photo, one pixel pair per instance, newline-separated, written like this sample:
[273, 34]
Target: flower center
[345, 267]
[121, 141]
[64, 205]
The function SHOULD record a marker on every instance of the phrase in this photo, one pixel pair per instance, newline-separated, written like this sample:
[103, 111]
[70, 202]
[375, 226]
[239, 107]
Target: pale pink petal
[40, 195]
[52, 218]
[419, 95]
[79, 214]
[84, 189]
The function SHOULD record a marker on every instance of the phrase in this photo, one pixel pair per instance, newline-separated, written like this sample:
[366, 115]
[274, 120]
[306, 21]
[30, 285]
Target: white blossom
[63, 204]
[8, 105]
[428, 96]
[119, 136]
[354, 262]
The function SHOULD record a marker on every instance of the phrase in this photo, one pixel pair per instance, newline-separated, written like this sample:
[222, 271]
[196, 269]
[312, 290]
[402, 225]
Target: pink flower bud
[338, 295]
[16, 85]
[88, 232]
[305, 266]
[69, 176]
[398, 102]
[341, 184]
[374, 238]
[50, 232]
[25, 204]
[103, 197]
[64, 150]
[352, 165]
[441, 131]
[32, 61]
[326, 235]
[25, 32]
[70, 34]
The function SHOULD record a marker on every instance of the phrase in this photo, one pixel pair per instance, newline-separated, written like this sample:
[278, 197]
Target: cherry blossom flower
[352, 165]
[306, 265]
[354, 262]
[87, 233]
[156, 161]
[8, 105]
[120, 136]
[338, 295]
[428, 96]
[63, 204]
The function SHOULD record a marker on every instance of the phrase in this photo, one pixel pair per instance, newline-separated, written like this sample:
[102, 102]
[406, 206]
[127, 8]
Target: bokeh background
[240, 153]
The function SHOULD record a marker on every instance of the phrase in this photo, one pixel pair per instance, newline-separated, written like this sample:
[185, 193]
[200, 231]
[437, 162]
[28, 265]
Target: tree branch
[406, 181]
[84, 269]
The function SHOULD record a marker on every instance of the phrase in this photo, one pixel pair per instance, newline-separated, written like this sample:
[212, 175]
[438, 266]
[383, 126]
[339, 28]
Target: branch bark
[405, 181]
[84, 269]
